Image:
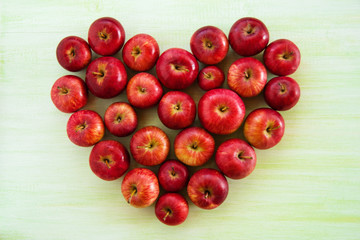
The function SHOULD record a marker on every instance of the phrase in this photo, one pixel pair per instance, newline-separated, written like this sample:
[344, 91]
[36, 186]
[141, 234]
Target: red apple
[207, 188]
[177, 110]
[106, 36]
[140, 187]
[73, 53]
[120, 119]
[144, 90]
[109, 160]
[221, 111]
[209, 45]
[69, 93]
[149, 146]
[264, 128]
[282, 57]
[85, 128]
[106, 77]
[247, 77]
[282, 93]
[210, 77]
[171, 209]
[173, 176]
[177, 68]
[235, 158]
[194, 146]
[141, 52]
[248, 36]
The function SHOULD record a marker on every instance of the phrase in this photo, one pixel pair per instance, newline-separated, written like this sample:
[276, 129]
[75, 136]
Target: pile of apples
[220, 111]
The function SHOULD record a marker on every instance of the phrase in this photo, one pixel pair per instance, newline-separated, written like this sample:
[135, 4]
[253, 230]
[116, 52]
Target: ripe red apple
[106, 36]
[144, 90]
[106, 77]
[235, 158]
[282, 57]
[73, 53]
[141, 52]
[173, 176]
[177, 110]
[248, 36]
[282, 93]
[140, 187]
[209, 45]
[194, 146]
[171, 209]
[207, 188]
[210, 77]
[264, 128]
[85, 128]
[221, 111]
[149, 146]
[247, 77]
[120, 119]
[177, 68]
[69, 93]
[109, 160]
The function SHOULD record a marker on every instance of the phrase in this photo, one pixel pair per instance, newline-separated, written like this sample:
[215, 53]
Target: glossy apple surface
[210, 77]
[173, 176]
[171, 209]
[120, 119]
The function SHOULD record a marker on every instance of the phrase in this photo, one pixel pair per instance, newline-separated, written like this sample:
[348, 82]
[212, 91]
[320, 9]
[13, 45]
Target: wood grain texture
[307, 187]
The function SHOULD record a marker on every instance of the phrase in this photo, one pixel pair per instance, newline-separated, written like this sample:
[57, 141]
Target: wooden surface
[307, 187]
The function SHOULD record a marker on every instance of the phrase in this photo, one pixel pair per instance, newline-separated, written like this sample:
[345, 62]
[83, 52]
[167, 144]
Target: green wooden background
[307, 187]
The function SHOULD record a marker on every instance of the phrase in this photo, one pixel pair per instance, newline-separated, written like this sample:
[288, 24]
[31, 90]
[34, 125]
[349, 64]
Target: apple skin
[109, 160]
[69, 94]
[264, 128]
[73, 53]
[171, 209]
[207, 188]
[106, 36]
[173, 176]
[209, 45]
[144, 90]
[235, 158]
[120, 119]
[177, 110]
[106, 77]
[282, 93]
[194, 146]
[140, 187]
[247, 77]
[150, 146]
[210, 77]
[221, 111]
[141, 52]
[282, 57]
[248, 36]
[177, 68]
[85, 128]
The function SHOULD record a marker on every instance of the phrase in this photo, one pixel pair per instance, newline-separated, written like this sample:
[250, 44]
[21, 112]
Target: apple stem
[282, 87]
[146, 146]
[101, 74]
[206, 194]
[63, 90]
[107, 162]
[173, 173]
[269, 129]
[132, 194]
[207, 75]
[223, 109]
[195, 145]
[103, 36]
[167, 214]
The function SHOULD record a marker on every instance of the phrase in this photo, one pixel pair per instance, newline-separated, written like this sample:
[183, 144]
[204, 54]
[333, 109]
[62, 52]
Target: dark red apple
[106, 36]
[173, 176]
[73, 53]
[235, 158]
[171, 209]
[120, 119]
[69, 93]
[141, 52]
[264, 128]
[282, 57]
[109, 160]
[177, 68]
[85, 128]
[177, 110]
[248, 36]
[221, 111]
[106, 77]
[210, 77]
[247, 77]
[207, 188]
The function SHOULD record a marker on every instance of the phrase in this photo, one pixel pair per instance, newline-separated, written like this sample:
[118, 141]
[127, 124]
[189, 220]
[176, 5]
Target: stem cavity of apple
[208, 75]
[223, 108]
[168, 212]
[81, 127]
[207, 194]
[134, 191]
[241, 157]
[107, 162]
[194, 146]
[173, 173]
[103, 36]
[100, 73]
[180, 68]
[270, 129]
[63, 90]
[287, 55]
[282, 87]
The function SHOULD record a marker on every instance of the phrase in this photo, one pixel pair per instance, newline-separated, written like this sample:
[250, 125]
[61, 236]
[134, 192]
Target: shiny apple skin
[210, 77]
[120, 119]
[173, 176]
[171, 209]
